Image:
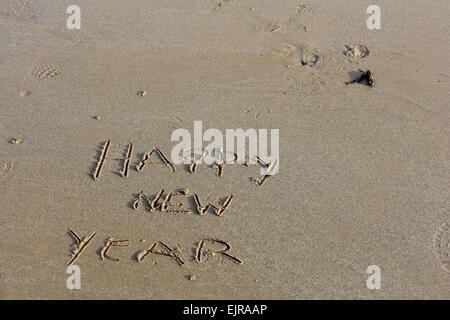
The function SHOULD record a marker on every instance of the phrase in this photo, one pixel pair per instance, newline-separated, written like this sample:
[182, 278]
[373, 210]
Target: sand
[364, 173]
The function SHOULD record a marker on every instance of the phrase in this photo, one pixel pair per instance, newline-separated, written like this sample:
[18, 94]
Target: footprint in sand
[21, 9]
[441, 246]
[299, 55]
[289, 51]
[6, 170]
[44, 72]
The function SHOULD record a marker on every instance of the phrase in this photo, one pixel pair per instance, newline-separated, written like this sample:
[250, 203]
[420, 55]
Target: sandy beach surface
[364, 173]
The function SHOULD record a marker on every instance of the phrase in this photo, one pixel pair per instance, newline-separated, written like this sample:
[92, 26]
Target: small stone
[141, 93]
[192, 277]
[15, 141]
[97, 117]
[25, 93]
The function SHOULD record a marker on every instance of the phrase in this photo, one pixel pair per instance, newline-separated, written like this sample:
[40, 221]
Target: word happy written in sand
[219, 166]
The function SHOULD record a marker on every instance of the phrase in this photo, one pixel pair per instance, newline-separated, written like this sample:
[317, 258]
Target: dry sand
[364, 174]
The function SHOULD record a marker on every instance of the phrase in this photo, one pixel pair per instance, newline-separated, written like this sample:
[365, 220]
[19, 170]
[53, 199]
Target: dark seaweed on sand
[365, 77]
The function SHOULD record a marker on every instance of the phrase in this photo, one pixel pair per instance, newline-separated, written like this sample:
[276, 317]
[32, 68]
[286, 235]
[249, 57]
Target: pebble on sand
[15, 141]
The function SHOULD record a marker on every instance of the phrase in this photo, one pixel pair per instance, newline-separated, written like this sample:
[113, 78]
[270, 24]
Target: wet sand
[364, 171]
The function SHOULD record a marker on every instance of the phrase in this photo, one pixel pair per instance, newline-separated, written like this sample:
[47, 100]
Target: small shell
[356, 51]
